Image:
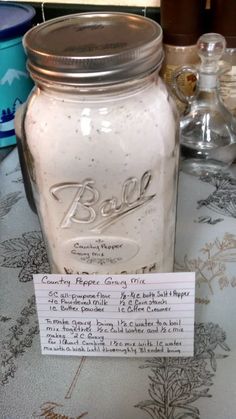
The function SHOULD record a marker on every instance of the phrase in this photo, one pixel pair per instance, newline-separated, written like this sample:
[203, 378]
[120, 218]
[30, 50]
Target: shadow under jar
[101, 144]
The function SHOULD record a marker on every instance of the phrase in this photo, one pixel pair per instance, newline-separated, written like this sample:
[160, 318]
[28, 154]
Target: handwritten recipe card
[119, 315]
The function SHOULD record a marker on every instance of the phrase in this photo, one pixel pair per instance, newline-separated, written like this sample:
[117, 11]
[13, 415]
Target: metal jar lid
[94, 48]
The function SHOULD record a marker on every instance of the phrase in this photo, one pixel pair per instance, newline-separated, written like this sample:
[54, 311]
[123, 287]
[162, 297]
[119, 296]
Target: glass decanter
[207, 129]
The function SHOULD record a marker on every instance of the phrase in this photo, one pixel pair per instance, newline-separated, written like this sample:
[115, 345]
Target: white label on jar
[103, 250]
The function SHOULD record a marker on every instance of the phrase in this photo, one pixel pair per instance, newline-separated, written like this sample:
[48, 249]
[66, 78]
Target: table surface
[202, 387]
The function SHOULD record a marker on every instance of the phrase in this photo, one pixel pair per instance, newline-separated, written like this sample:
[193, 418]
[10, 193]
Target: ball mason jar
[101, 144]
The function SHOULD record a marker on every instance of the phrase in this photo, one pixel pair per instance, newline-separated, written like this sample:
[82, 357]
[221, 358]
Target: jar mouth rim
[93, 48]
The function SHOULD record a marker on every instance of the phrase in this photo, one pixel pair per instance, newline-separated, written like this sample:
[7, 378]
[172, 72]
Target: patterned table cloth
[203, 387]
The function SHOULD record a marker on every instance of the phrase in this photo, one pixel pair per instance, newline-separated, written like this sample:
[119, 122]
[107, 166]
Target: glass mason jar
[100, 144]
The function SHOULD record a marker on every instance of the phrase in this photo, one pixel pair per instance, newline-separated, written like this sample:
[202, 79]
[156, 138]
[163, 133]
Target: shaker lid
[182, 21]
[15, 19]
[93, 48]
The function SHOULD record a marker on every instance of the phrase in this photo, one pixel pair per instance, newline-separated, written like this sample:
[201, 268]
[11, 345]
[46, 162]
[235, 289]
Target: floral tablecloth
[203, 387]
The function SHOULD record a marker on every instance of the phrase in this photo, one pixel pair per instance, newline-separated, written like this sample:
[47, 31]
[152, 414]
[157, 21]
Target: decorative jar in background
[223, 21]
[182, 22]
[101, 144]
[15, 83]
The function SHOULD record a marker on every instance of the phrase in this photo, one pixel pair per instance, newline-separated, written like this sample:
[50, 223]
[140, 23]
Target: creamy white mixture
[105, 171]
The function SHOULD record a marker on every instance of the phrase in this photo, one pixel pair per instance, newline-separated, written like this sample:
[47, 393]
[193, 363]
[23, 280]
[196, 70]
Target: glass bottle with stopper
[208, 130]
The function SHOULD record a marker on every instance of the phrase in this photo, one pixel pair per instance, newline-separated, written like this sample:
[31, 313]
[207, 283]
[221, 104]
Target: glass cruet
[207, 129]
